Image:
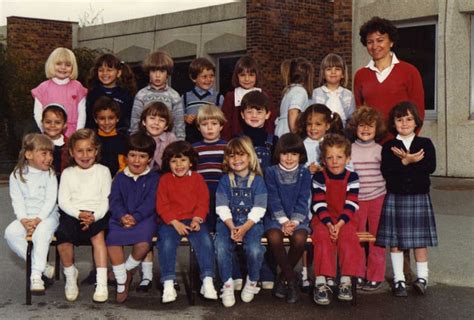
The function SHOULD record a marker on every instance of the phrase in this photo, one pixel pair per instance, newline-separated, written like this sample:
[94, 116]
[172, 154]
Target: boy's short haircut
[179, 149]
[57, 109]
[142, 143]
[254, 100]
[198, 65]
[210, 112]
[335, 140]
[158, 60]
[157, 109]
[106, 103]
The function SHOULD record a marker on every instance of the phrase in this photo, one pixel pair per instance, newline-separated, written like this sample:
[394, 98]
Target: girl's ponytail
[335, 125]
[127, 79]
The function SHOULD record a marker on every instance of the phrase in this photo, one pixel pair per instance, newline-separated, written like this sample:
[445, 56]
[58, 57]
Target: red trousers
[347, 249]
[373, 268]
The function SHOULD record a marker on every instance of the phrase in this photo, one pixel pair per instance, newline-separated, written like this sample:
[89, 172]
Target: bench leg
[192, 276]
[28, 273]
[57, 266]
[354, 291]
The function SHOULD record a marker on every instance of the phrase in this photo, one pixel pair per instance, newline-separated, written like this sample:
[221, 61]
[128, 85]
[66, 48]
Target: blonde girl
[313, 124]
[114, 78]
[241, 202]
[333, 80]
[33, 190]
[246, 77]
[367, 128]
[62, 88]
[83, 203]
[298, 74]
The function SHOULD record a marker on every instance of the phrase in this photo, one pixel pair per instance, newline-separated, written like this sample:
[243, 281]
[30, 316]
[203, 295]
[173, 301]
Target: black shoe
[292, 295]
[145, 285]
[322, 294]
[399, 289]
[47, 281]
[345, 292]
[360, 283]
[420, 285]
[91, 278]
[280, 289]
[372, 285]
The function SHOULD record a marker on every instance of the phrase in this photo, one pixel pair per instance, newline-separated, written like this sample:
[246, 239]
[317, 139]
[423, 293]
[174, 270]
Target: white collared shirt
[407, 140]
[382, 75]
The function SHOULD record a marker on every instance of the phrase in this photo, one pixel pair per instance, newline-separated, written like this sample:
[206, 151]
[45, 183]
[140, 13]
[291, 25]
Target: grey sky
[113, 10]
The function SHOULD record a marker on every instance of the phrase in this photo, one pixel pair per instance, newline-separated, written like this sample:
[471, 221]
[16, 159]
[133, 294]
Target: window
[417, 45]
[180, 80]
[225, 69]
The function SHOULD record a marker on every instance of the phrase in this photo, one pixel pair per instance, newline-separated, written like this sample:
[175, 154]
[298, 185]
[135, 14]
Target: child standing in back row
[202, 73]
[33, 190]
[407, 216]
[62, 88]
[333, 78]
[159, 67]
[298, 74]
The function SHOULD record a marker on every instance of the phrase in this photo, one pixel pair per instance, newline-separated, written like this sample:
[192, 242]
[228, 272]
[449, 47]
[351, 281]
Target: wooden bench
[193, 277]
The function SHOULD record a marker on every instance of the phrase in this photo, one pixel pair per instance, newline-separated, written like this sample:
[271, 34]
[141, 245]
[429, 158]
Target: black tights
[287, 261]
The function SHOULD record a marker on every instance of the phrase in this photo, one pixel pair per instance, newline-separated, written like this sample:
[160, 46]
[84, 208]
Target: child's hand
[288, 228]
[189, 118]
[128, 221]
[87, 218]
[238, 233]
[196, 224]
[314, 167]
[181, 228]
[336, 228]
[413, 157]
[28, 225]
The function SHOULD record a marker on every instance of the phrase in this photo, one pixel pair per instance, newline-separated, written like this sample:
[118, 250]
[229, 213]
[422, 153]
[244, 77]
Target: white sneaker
[249, 291]
[49, 271]
[101, 293]
[267, 285]
[207, 289]
[169, 293]
[238, 284]
[37, 285]
[71, 289]
[227, 296]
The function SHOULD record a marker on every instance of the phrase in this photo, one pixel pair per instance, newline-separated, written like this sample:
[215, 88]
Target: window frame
[217, 58]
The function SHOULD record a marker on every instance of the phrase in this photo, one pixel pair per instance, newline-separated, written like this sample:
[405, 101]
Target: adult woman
[386, 81]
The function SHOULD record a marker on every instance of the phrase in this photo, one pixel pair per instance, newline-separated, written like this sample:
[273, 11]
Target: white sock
[69, 271]
[131, 263]
[397, 265]
[101, 277]
[345, 280]
[121, 276]
[304, 273]
[250, 282]
[147, 270]
[35, 274]
[207, 281]
[320, 280]
[229, 282]
[168, 284]
[422, 270]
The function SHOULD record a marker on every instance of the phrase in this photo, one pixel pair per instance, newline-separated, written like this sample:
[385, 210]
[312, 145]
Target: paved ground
[450, 294]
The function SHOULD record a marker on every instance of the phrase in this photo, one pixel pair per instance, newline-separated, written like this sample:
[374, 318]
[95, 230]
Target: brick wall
[37, 38]
[282, 29]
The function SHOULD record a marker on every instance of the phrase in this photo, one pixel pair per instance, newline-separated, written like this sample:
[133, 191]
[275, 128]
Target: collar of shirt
[382, 75]
[61, 82]
[135, 177]
[327, 90]
[59, 142]
[32, 169]
[189, 173]
[150, 87]
[202, 91]
[112, 133]
[240, 92]
[288, 170]
[406, 140]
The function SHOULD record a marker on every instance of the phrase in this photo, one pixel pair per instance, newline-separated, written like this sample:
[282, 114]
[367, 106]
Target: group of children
[160, 165]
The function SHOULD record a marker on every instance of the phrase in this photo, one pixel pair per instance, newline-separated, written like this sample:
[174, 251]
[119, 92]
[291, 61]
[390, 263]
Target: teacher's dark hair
[377, 24]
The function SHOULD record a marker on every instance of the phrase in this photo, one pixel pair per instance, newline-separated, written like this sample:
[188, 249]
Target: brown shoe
[122, 296]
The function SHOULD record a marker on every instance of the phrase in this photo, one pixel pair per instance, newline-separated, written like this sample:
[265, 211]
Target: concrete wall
[451, 130]
[200, 32]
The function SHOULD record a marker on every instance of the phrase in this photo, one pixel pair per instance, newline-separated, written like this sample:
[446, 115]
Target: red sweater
[403, 84]
[233, 126]
[182, 198]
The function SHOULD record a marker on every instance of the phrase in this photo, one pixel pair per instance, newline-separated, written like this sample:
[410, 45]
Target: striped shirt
[319, 206]
[366, 158]
[211, 156]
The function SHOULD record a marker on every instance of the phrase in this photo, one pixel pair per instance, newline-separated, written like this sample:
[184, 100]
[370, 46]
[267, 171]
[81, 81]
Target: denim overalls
[264, 154]
[240, 204]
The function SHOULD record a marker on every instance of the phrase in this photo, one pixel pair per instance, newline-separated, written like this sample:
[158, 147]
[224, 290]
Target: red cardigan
[233, 126]
[182, 198]
[403, 84]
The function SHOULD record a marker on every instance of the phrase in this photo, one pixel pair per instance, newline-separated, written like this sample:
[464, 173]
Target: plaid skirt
[407, 222]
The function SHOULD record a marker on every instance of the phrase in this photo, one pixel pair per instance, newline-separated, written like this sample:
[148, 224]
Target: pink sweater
[366, 158]
[68, 95]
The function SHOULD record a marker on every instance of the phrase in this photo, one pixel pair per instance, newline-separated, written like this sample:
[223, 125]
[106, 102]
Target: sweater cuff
[344, 217]
[326, 220]
[298, 217]
[282, 220]
[296, 222]
[224, 213]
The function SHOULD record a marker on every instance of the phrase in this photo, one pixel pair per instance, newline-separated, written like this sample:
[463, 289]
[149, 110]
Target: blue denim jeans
[253, 250]
[168, 242]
